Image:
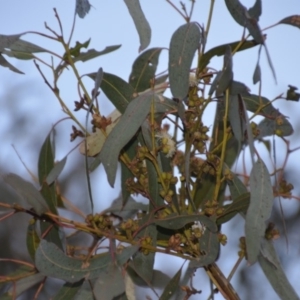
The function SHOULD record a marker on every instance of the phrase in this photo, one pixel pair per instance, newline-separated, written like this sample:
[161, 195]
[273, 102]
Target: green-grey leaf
[117, 90]
[275, 124]
[23, 285]
[143, 69]
[260, 207]
[272, 268]
[257, 74]
[175, 221]
[242, 17]
[6, 64]
[55, 172]
[46, 159]
[291, 20]
[27, 191]
[32, 239]
[51, 261]
[220, 51]
[6, 41]
[255, 103]
[256, 10]
[125, 129]
[184, 42]
[171, 287]
[140, 22]
[92, 53]
[239, 205]
[23, 50]
[236, 122]
[209, 246]
[227, 73]
[68, 291]
[110, 284]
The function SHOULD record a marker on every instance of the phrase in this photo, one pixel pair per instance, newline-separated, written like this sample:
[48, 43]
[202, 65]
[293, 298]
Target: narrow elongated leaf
[126, 253]
[143, 263]
[46, 160]
[220, 51]
[126, 128]
[143, 69]
[154, 187]
[51, 261]
[184, 42]
[85, 292]
[27, 191]
[55, 172]
[32, 239]
[68, 291]
[239, 205]
[126, 173]
[257, 74]
[259, 211]
[227, 73]
[141, 24]
[23, 285]
[23, 50]
[237, 123]
[175, 221]
[291, 20]
[92, 53]
[209, 247]
[6, 64]
[242, 17]
[272, 268]
[117, 206]
[6, 41]
[255, 103]
[172, 286]
[118, 91]
[110, 284]
[256, 10]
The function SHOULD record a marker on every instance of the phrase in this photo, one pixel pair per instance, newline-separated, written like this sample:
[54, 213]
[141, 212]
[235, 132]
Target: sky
[109, 23]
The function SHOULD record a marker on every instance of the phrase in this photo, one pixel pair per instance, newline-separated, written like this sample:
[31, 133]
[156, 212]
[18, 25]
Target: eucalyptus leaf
[143, 69]
[291, 20]
[172, 286]
[273, 270]
[51, 261]
[92, 53]
[259, 211]
[117, 90]
[256, 10]
[184, 43]
[27, 191]
[6, 64]
[6, 41]
[128, 125]
[110, 284]
[55, 172]
[209, 247]
[140, 22]
[68, 291]
[175, 221]
[220, 51]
